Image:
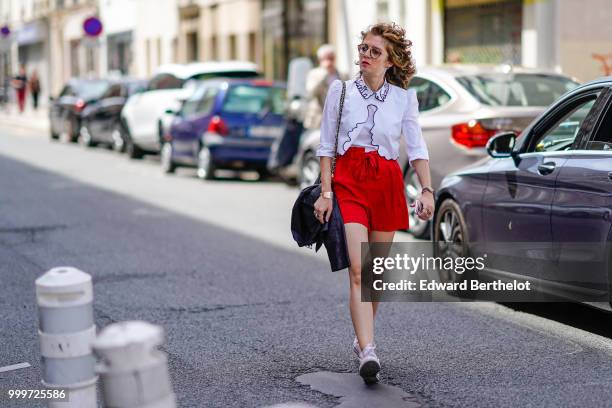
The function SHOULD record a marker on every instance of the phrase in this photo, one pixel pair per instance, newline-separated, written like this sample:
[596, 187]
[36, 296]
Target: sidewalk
[30, 118]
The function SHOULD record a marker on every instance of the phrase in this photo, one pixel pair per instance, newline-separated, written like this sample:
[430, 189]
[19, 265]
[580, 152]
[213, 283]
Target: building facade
[567, 36]
[155, 35]
[117, 39]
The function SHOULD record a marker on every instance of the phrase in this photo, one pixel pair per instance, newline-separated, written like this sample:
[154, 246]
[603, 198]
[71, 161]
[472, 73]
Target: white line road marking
[14, 367]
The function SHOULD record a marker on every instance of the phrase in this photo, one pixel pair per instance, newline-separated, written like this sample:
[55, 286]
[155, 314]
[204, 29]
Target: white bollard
[66, 329]
[133, 371]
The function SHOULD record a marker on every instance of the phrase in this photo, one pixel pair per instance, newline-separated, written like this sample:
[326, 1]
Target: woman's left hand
[428, 206]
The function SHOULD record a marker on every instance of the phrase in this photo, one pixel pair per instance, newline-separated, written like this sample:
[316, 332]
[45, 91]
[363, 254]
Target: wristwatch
[426, 188]
[327, 194]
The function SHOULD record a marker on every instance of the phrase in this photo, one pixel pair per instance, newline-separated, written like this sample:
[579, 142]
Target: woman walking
[35, 88]
[20, 83]
[368, 182]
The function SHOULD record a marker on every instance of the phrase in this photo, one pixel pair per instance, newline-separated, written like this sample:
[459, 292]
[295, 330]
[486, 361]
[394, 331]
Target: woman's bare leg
[361, 312]
[380, 236]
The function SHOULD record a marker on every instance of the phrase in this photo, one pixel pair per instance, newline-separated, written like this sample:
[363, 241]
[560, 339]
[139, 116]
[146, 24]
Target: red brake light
[217, 125]
[79, 105]
[262, 82]
[472, 134]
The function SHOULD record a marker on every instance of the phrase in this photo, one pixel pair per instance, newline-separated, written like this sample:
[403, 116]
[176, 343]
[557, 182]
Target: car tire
[451, 240]
[167, 164]
[85, 138]
[309, 170]
[53, 135]
[206, 167]
[72, 130]
[118, 136]
[264, 174]
[417, 227]
[133, 151]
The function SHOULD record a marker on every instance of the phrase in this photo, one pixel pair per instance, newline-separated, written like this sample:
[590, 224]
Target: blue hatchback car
[226, 124]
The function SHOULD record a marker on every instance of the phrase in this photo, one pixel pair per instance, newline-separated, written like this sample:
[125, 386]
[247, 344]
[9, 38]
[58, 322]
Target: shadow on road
[576, 315]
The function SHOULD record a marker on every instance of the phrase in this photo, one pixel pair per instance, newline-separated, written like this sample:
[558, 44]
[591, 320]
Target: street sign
[92, 26]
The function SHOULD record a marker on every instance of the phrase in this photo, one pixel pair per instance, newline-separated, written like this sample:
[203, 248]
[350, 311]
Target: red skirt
[370, 190]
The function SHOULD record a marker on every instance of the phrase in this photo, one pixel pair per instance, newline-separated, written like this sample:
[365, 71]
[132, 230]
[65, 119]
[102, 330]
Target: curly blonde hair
[398, 48]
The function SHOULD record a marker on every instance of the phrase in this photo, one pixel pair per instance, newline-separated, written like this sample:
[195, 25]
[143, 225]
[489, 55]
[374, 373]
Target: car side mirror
[501, 145]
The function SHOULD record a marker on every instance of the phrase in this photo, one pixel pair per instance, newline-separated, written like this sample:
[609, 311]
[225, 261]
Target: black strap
[333, 165]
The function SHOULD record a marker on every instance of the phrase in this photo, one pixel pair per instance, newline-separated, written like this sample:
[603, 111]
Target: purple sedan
[542, 201]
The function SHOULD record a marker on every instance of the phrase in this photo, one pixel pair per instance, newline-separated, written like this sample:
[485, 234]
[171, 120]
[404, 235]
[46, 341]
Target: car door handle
[610, 176]
[546, 168]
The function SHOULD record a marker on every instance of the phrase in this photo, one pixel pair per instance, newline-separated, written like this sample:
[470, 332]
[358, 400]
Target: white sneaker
[369, 365]
[356, 347]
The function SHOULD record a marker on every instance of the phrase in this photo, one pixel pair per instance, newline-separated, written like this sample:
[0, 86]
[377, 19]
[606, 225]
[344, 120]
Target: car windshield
[227, 74]
[92, 89]
[516, 89]
[254, 99]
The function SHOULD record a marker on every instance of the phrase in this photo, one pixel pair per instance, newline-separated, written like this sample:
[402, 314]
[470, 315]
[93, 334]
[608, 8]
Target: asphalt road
[245, 311]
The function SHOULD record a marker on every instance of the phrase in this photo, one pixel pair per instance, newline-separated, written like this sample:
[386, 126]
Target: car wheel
[206, 167]
[418, 228]
[72, 130]
[133, 151]
[85, 137]
[118, 139]
[264, 174]
[309, 172]
[451, 241]
[53, 135]
[168, 165]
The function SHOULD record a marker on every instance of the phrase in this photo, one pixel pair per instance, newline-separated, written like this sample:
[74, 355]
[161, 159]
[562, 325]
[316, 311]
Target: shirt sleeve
[411, 130]
[329, 120]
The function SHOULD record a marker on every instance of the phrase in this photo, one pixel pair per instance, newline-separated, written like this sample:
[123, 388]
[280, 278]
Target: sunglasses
[374, 52]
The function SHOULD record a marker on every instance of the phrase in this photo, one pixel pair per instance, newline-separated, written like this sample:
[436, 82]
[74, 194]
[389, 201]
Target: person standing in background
[20, 83]
[317, 84]
[34, 88]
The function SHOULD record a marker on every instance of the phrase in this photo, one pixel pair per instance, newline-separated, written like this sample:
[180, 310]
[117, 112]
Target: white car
[144, 113]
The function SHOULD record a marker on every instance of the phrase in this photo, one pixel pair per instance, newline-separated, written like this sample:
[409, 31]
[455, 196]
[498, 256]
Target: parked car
[550, 186]
[100, 119]
[226, 124]
[142, 113]
[66, 110]
[461, 107]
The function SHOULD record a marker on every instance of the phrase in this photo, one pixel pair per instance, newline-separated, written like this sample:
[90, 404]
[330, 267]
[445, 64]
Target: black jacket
[307, 230]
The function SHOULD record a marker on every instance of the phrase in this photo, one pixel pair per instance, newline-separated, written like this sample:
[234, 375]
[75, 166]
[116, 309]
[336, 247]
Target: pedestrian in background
[317, 84]
[20, 83]
[378, 109]
[34, 88]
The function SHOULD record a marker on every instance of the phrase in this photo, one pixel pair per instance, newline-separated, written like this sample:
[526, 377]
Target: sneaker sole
[369, 372]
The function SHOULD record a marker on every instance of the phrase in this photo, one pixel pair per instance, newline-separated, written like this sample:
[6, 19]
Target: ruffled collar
[366, 92]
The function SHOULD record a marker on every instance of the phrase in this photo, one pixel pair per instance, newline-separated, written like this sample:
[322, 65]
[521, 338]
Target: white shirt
[382, 117]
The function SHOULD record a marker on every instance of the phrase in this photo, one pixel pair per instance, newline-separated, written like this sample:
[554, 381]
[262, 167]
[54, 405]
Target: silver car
[461, 107]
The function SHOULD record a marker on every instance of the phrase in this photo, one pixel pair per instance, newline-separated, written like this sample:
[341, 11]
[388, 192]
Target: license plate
[266, 131]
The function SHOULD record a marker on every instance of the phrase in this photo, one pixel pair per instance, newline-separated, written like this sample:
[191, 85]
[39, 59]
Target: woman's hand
[428, 206]
[323, 209]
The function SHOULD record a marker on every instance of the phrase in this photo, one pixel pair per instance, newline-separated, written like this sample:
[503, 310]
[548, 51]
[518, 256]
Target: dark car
[226, 124]
[66, 110]
[541, 194]
[101, 118]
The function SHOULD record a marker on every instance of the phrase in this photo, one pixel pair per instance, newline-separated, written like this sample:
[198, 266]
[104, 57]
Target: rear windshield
[517, 89]
[254, 99]
[92, 89]
[228, 74]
